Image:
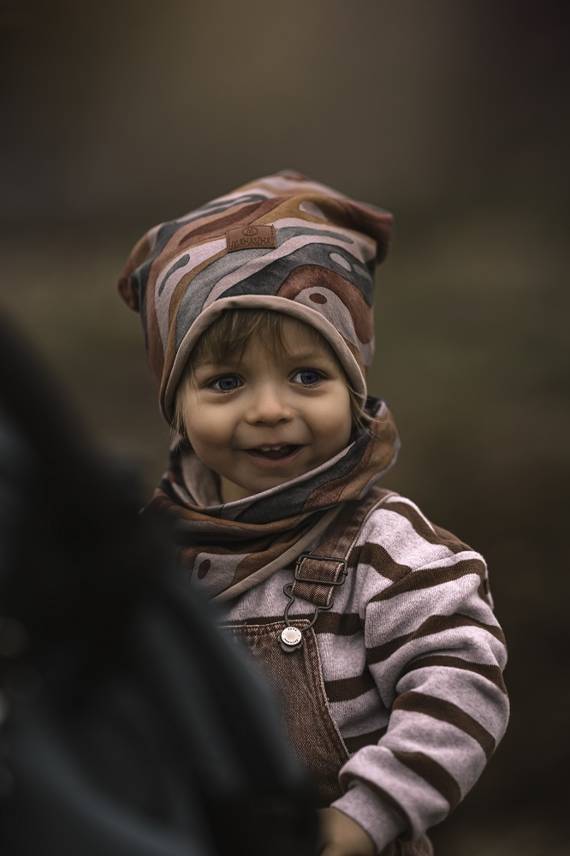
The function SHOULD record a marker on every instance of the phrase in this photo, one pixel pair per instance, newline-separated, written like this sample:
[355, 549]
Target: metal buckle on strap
[287, 591]
[291, 638]
[305, 579]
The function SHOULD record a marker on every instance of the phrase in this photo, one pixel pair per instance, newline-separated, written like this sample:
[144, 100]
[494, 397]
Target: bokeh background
[454, 115]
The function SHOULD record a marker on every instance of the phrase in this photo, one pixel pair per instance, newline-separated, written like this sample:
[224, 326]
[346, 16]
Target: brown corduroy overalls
[294, 670]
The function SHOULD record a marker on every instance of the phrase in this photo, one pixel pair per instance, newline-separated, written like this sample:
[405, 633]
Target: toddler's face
[267, 416]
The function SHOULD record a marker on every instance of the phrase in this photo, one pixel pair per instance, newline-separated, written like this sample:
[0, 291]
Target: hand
[342, 836]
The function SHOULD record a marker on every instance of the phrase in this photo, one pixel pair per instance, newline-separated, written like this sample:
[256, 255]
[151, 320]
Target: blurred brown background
[454, 115]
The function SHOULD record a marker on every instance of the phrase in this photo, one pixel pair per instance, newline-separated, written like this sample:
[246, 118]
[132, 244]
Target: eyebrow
[297, 357]
[300, 356]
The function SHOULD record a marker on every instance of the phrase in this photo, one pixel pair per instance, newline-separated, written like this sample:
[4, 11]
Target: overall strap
[318, 573]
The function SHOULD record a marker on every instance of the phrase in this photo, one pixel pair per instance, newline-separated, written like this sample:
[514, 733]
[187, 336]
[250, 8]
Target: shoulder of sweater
[397, 531]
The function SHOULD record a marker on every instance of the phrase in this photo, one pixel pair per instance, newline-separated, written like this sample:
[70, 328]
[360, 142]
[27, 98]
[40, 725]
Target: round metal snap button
[290, 638]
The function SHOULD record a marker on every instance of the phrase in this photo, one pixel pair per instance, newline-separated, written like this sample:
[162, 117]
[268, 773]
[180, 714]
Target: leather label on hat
[251, 238]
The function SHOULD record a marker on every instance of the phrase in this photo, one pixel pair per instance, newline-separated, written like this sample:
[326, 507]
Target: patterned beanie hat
[283, 243]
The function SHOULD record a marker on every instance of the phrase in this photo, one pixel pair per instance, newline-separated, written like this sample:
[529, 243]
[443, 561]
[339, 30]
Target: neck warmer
[230, 547]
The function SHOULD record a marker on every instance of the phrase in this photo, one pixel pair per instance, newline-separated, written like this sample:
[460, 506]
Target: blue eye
[225, 383]
[308, 377]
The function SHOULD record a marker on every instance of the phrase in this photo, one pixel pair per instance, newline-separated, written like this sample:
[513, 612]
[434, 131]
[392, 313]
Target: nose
[268, 405]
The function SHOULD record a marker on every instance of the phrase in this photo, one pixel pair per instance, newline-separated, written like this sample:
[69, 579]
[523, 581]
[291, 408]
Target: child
[376, 624]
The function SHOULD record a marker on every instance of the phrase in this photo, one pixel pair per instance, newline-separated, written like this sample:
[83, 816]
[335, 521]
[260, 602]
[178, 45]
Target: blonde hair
[227, 339]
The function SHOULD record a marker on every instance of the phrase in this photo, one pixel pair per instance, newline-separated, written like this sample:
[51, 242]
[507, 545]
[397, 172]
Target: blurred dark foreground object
[128, 724]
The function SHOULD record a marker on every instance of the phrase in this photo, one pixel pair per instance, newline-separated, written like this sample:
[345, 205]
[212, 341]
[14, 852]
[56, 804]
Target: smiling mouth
[275, 452]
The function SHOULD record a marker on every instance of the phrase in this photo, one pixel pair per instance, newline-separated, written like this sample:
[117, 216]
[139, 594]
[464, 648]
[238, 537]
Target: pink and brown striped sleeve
[436, 654]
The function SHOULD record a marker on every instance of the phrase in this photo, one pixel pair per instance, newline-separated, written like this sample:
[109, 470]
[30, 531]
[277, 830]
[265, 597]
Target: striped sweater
[412, 658]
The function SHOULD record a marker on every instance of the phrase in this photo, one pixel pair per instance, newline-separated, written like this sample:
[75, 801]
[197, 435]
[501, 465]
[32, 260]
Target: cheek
[343, 428]
[345, 410]
[205, 425]
[332, 418]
